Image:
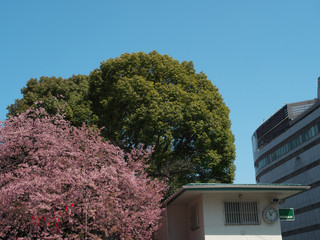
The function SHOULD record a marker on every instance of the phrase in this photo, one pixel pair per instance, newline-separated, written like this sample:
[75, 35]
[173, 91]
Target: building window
[194, 217]
[241, 213]
[295, 142]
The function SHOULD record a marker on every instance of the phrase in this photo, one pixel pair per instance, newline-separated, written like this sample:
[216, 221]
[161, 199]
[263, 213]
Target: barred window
[241, 213]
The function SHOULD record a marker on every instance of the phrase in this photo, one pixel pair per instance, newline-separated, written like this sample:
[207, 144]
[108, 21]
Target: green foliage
[57, 94]
[155, 100]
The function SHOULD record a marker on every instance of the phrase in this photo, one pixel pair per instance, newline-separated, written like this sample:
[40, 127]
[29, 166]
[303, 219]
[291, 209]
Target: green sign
[286, 214]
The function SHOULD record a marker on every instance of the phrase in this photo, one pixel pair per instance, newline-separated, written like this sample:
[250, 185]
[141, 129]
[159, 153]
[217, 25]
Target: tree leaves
[148, 99]
[155, 100]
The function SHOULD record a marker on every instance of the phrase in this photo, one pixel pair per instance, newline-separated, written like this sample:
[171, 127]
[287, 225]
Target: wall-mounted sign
[286, 214]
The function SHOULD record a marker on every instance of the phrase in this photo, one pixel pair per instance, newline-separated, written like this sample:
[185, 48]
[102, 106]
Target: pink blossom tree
[47, 166]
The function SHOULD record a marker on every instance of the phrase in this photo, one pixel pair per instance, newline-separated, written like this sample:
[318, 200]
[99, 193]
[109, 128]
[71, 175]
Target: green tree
[57, 93]
[155, 100]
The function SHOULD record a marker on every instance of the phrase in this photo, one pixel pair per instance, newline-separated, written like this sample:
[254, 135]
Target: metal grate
[297, 110]
[241, 213]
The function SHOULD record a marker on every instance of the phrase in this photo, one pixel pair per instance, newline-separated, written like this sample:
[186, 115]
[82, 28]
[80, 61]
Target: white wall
[214, 220]
[177, 222]
[197, 234]
[178, 225]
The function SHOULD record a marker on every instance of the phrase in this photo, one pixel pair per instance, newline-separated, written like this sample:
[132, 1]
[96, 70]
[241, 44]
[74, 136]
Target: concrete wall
[178, 227]
[197, 234]
[177, 222]
[214, 219]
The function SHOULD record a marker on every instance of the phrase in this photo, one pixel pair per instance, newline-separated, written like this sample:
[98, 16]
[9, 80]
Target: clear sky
[260, 54]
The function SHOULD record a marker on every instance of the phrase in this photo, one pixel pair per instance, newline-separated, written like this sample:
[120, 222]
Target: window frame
[241, 213]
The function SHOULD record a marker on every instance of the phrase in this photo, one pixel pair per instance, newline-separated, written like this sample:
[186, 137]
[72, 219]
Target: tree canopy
[48, 166]
[57, 93]
[154, 100]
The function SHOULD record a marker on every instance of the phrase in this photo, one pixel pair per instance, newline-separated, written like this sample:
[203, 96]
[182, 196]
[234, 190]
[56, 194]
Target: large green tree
[154, 100]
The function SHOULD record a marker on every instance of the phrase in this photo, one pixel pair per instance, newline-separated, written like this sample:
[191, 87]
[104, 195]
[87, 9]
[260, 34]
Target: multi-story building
[286, 149]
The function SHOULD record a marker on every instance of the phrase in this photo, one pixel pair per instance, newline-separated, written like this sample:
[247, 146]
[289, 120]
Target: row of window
[298, 140]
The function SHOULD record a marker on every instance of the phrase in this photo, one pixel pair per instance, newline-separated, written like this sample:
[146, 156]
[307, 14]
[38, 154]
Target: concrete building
[225, 212]
[286, 149]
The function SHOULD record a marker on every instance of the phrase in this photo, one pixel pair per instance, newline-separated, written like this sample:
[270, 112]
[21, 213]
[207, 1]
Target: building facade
[286, 149]
[204, 211]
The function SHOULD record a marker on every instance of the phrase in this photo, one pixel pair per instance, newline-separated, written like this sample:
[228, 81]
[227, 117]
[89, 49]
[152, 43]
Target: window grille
[194, 217]
[241, 213]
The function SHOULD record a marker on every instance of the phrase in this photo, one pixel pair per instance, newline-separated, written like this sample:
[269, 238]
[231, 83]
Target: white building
[225, 211]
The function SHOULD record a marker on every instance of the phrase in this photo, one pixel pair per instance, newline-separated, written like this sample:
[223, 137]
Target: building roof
[282, 120]
[189, 191]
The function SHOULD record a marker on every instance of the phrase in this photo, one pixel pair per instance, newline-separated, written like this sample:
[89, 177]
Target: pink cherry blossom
[46, 164]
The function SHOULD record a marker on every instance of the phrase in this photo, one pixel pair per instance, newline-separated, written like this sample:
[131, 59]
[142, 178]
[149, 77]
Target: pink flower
[45, 163]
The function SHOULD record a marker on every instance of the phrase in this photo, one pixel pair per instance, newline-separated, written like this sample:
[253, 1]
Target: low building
[225, 212]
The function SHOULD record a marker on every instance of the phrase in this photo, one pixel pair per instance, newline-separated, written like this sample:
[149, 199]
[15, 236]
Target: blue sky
[260, 54]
